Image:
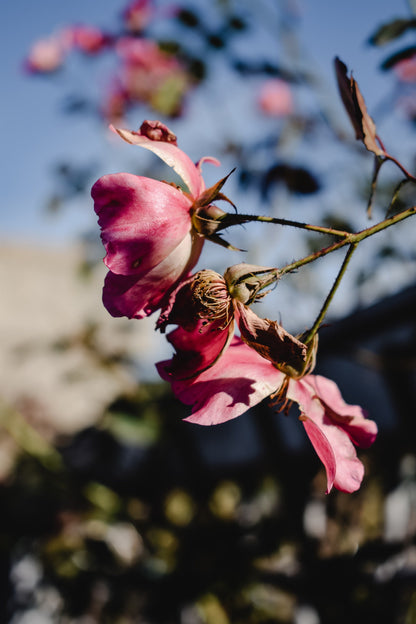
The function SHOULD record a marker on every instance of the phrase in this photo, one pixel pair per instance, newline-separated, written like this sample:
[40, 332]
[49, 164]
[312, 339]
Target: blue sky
[35, 134]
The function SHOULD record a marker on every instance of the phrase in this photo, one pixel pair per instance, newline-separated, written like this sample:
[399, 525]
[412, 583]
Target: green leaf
[391, 30]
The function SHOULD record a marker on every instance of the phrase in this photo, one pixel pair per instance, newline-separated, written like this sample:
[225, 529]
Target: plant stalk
[318, 321]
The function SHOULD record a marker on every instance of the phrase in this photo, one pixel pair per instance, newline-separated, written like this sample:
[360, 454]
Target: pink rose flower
[242, 378]
[147, 226]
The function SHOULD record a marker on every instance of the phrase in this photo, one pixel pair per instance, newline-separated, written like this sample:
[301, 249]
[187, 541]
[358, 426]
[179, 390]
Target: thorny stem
[315, 327]
[297, 224]
[351, 239]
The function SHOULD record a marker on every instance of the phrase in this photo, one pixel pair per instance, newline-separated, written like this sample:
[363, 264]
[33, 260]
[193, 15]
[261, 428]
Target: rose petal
[137, 297]
[337, 454]
[352, 418]
[332, 445]
[142, 221]
[197, 350]
[238, 380]
[172, 156]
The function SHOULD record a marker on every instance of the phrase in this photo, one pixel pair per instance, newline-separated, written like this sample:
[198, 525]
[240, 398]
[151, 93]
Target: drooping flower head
[205, 307]
[222, 376]
[153, 232]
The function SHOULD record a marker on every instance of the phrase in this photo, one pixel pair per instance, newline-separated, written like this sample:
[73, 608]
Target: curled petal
[351, 418]
[323, 449]
[171, 155]
[142, 221]
[237, 381]
[331, 443]
[137, 297]
[207, 159]
[335, 450]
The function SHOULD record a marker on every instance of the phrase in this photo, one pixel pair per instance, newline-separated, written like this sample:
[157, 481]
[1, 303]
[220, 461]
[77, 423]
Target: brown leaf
[364, 126]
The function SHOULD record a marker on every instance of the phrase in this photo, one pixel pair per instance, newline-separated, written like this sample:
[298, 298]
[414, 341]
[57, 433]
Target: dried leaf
[364, 126]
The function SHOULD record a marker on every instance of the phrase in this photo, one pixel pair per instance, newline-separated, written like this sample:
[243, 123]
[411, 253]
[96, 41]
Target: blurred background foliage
[113, 509]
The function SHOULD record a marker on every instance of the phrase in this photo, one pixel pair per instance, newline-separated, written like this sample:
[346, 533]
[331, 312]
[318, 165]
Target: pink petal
[198, 340]
[323, 450]
[142, 221]
[332, 445]
[351, 418]
[238, 380]
[197, 350]
[172, 156]
[137, 297]
[207, 159]
[335, 450]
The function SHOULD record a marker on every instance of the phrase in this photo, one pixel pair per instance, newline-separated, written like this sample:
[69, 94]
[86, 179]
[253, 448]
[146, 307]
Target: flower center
[211, 297]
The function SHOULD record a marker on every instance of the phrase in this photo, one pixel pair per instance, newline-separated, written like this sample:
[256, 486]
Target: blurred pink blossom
[88, 39]
[147, 74]
[137, 15]
[47, 55]
[275, 98]
[405, 70]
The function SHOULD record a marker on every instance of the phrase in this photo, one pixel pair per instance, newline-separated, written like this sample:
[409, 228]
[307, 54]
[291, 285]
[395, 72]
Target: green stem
[312, 331]
[377, 166]
[297, 224]
[351, 239]
[396, 195]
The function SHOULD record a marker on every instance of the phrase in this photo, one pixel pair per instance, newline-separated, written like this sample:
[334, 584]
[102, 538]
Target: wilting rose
[147, 226]
[241, 378]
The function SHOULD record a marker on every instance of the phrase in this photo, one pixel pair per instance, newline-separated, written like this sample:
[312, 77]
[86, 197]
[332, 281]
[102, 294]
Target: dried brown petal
[364, 126]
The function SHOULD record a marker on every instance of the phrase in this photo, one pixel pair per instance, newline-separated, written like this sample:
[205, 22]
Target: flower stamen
[279, 399]
[211, 298]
